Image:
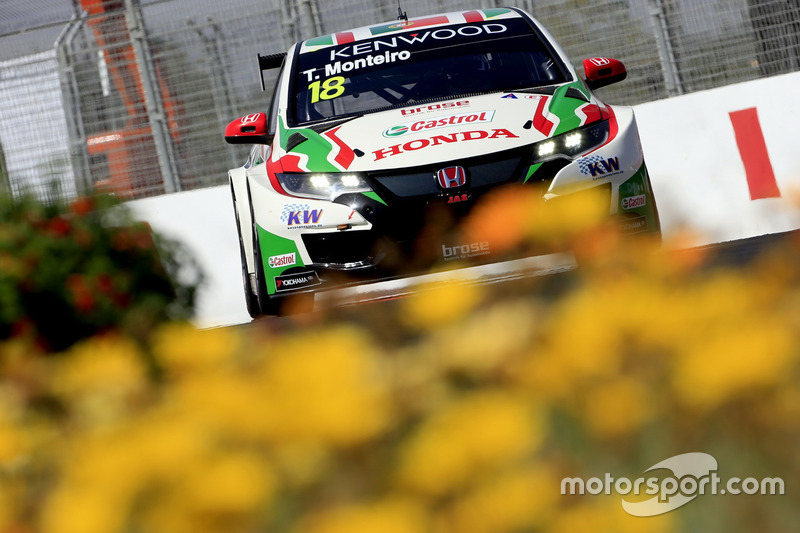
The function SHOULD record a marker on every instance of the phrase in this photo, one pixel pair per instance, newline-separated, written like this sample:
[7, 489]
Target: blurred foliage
[456, 410]
[71, 271]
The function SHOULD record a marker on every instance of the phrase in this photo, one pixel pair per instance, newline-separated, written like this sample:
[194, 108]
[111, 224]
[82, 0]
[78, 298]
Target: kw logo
[306, 217]
[598, 167]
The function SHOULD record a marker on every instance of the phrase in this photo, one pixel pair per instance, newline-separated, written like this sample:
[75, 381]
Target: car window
[253, 158]
[275, 98]
[440, 63]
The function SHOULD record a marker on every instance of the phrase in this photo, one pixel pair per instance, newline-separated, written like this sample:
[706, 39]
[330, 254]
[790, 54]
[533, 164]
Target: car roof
[401, 26]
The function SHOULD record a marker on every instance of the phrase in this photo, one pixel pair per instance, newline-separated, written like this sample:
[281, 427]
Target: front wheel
[269, 305]
[250, 299]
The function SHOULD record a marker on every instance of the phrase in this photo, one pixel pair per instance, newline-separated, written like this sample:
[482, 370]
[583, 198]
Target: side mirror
[249, 129]
[602, 71]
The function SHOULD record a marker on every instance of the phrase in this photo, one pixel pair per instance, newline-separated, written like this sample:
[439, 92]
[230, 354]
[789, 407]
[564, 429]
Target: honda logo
[599, 61]
[451, 177]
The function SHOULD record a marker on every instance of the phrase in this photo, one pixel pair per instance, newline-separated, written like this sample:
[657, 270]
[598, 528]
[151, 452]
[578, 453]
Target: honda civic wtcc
[371, 130]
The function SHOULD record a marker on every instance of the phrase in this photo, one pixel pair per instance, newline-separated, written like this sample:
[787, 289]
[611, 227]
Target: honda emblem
[451, 177]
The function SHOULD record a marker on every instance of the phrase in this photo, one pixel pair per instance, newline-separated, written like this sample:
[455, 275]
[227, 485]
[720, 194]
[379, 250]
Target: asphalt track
[554, 268]
[743, 251]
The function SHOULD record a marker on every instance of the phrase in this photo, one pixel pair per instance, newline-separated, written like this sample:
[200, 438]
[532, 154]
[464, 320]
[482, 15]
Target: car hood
[437, 132]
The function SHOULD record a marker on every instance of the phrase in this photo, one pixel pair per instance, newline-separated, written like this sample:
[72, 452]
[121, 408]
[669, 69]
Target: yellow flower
[101, 377]
[472, 435]
[605, 513]
[733, 361]
[181, 347]
[227, 402]
[485, 340]
[228, 490]
[513, 501]
[82, 510]
[617, 408]
[442, 303]
[325, 386]
[15, 438]
[237, 483]
[392, 515]
[500, 217]
[107, 365]
[301, 464]
[13, 443]
[582, 340]
[568, 216]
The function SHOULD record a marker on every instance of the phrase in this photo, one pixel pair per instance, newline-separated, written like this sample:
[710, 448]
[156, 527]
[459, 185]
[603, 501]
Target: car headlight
[323, 186]
[572, 143]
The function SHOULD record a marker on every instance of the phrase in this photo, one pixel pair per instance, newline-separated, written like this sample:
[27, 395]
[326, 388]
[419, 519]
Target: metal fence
[132, 96]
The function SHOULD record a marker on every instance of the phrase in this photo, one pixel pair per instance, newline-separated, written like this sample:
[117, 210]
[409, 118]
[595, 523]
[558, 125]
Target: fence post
[152, 98]
[666, 51]
[5, 181]
[78, 153]
[220, 87]
[309, 19]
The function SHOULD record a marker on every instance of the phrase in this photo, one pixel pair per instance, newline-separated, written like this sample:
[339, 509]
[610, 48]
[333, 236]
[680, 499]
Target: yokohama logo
[299, 280]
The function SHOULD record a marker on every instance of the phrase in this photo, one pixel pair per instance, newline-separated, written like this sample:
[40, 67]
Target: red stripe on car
[345, 156]
[345, 37]
[541, 122]
[473, 16]
[273, 167]
[428, 21]
[592, 112]
[613, 126]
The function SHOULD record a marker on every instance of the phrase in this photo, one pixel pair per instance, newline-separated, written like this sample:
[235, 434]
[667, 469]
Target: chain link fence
[132, 96]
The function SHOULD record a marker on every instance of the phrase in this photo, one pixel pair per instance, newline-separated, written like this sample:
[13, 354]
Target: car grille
[340, 248]
[482, 173]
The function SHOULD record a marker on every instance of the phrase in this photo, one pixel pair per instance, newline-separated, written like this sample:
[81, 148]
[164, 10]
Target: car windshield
[429, 65]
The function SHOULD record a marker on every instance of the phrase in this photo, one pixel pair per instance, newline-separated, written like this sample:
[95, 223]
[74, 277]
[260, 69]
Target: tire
[250, 299]
[657, 231]
[269, 305]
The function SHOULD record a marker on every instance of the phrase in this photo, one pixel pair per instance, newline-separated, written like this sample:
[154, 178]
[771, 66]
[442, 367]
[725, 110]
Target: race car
[373, 133]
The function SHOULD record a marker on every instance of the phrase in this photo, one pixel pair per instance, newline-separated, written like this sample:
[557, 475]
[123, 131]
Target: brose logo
[434, 107]
[464, 251]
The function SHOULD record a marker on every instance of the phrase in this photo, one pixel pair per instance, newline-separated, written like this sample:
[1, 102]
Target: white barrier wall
[722, 163]
[203, 220]
[699, 170]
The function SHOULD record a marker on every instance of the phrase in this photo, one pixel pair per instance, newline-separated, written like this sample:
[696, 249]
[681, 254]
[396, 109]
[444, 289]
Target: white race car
[371, 130]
